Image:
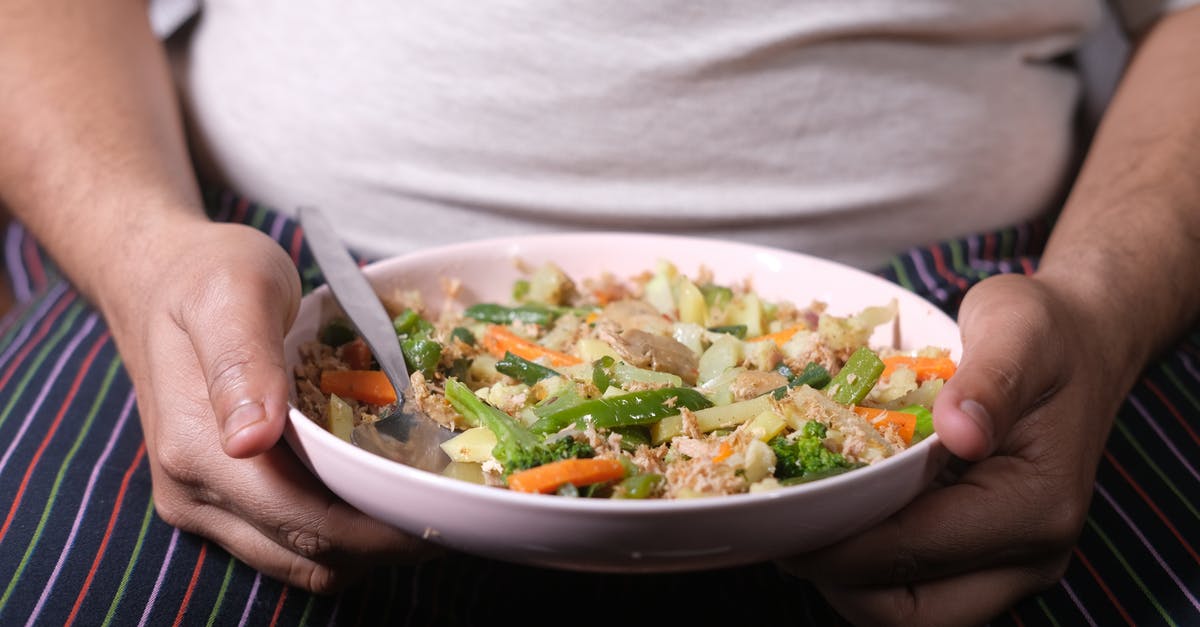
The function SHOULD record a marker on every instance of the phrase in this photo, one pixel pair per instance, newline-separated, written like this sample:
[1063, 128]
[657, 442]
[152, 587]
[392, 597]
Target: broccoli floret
[517, 448]
[543, 453]
[806, 457]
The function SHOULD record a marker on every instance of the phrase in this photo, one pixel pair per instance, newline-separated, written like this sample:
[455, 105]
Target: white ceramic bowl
[620, 535]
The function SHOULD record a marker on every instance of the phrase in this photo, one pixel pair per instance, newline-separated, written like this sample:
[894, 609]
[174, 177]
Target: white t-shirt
[849, 129]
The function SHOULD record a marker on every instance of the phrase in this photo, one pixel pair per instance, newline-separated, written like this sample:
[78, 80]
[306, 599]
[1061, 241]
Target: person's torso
[845, 128]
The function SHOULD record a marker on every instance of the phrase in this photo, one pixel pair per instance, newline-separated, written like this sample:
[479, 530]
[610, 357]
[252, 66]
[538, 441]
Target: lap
[79, 541]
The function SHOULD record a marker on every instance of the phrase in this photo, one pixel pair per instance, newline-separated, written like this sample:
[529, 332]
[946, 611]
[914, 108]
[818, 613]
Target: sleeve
[166, 16]
[1137, 15]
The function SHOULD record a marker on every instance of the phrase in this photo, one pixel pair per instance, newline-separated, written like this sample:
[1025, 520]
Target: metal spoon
[405, 436]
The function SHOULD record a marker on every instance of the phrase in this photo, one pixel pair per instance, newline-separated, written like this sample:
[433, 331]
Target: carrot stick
[547, 478]
[499, 340]
[780, 337]
[904, 423]
[368, 386]
[927, 368]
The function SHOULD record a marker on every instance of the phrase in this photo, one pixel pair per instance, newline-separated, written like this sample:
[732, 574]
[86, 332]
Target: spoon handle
[355, 295]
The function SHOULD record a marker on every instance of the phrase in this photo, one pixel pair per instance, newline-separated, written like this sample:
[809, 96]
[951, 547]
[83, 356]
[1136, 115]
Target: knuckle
[228, 370]
[175, 509]
[178, 463]
[306, 536]
[168, 509]
[1064, 521]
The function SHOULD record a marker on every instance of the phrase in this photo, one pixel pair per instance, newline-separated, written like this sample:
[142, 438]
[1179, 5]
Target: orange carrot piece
[780, 337]
[357, 354]
[499, 340]
[927, 368]
[547, 478]
[904, 423]
[723, 452]
[368, 386]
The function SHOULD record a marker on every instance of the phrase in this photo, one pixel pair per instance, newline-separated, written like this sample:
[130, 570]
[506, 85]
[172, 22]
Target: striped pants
[80, 542]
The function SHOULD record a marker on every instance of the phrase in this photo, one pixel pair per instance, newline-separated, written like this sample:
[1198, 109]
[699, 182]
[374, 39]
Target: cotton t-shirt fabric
[850, 129]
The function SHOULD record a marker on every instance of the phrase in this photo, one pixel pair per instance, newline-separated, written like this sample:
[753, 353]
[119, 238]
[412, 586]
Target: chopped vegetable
[409, 322]
[926, 367]
[806, 455]
[814, 375]
[780, 337]
[924, 426]
[499, 314]
[852, 383]
[499, 340]
[421, 354]
[464, 335]
[638, 486]
[337, 331]
[523, 370]
[904, 423]
[723, 452]
[736, 330]
[341, 417]
[549, 477]
[357, 354]
[634, 408]
[516, 448]
[368, 386]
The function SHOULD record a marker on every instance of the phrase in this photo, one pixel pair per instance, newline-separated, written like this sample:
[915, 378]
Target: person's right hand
[200, 322]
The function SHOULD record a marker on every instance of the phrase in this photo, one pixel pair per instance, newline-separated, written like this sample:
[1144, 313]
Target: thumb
[236, 328]
[1008, 364]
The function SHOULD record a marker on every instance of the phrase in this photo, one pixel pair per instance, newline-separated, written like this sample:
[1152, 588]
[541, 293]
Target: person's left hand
[1029, 410]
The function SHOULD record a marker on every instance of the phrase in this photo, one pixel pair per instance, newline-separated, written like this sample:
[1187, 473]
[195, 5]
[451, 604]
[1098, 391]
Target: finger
[326, 574]
[236, 326]
[971, 599]
[275, 516]
[245, 543]
[937, 536]
[1008, 364]
[302, 515]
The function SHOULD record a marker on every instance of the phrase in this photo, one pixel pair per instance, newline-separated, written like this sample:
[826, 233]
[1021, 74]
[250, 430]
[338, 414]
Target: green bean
[736, 330]
[421, 354]
[852, 383]
[410, 322]
[640, 486]
[464, 335]
[499, 314]
[602, 373]
[523, 370]
[814, 375]
[924, 421]
[636, 408]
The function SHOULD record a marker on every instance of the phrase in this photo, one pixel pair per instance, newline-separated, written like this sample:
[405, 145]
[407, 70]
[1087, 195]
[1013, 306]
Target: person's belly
[827, 129]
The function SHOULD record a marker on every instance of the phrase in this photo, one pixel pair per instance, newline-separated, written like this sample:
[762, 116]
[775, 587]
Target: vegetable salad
[659, 385]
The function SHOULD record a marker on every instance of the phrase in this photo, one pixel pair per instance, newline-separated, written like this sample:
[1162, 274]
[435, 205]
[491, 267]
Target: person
[854, 132]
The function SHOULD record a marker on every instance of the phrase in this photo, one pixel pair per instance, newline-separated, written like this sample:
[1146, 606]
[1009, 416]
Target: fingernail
[979, 415]
[243, 416]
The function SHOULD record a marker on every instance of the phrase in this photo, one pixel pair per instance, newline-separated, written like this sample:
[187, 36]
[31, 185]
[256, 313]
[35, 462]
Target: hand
[1027, 413]
[200, 326]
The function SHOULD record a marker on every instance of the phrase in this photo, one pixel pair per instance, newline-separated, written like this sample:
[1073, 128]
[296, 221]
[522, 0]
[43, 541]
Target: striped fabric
[80, 543]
